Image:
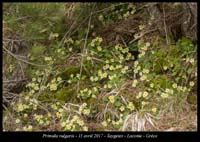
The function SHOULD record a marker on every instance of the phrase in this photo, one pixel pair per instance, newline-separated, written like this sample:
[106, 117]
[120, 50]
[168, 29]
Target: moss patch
[65, 75]
[192, 99]
[69, 93]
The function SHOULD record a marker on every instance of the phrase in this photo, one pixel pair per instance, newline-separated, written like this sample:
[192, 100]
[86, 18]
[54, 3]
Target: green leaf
[126, 113]
[118, 104]
[189, 71]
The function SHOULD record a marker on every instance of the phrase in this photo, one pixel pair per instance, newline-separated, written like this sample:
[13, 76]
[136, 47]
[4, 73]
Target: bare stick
[84, 48]
[147, 32]
[66, 34]
[25, 61]
[165, 27]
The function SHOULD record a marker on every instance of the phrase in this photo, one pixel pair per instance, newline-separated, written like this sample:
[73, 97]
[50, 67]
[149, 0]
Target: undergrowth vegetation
[77, 82]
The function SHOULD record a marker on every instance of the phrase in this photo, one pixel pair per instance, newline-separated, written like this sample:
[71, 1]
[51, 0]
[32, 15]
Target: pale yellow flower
[111, 99]
[71, 75]
[86, 111]
[63, 124]
[135, 71]
[100, 39]
[151, 85]
[110, 77]
[136, 35]
[81, 123]
[145, 94]
[174, 85]
[165, 67]
[139, 95]
[88, 58]
[25, 128]
[171, 91]
[136, 63]
[47, 58]
[167, 90]
[141, 54]
[119, 66]
[95, 89]
[104, 67]
[145, 71]
[30, 127]
[60, 110]
[33, 79]
[91, 78]
[75, 117]
[195, 74]
[144, 48]
[59, 50]
[192, 60]
[36, 87]
[113, 122]
[25, 115]
[121, 57]
[17, 121]
[53, 87]
[85, 128]
[104, 123]
[123, 71]
[143, 77]
[107, 61]
[84, 104]
[20, 107]
[179, 88]
[129, 55]
[111, 68]
[117, 123]
[120, 120]
[135, 82]
[109, 86]
[92, 44]
[191, 83]
[49, 114]
[164, 95]
[96, 78]
[154, 109]
[99, 48]
[122, 108]
[184, 89]
[141, 27]
[144, 103]
[117, 46]
[59, 115]
[126, 68]
[68, 127]
[41, 122]
[27, 98]
[130, 106]
[104, 75]
[63, 53]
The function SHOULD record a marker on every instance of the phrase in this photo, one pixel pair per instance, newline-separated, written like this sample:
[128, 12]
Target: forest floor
[97, 67]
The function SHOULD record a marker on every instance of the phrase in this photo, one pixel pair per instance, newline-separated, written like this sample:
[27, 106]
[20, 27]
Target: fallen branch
[25, 61]
[84, 48]
[139, 37]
